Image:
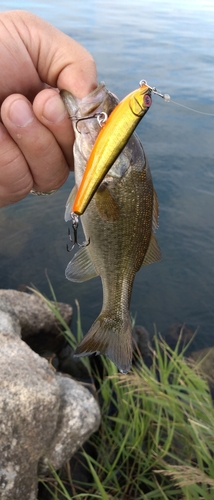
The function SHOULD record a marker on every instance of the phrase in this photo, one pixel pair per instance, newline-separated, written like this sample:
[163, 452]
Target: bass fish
[119, 221]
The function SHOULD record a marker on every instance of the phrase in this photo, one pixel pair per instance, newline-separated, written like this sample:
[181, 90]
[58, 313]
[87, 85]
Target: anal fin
[153, 253]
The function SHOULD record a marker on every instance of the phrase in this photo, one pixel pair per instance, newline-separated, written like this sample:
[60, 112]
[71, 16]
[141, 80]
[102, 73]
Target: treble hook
[101, 118]
[75, 223]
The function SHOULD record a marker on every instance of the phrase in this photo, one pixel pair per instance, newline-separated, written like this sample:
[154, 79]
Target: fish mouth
[79, 108]
[95, 106]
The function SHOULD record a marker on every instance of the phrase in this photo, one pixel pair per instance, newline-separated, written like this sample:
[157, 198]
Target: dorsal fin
[153, 253]
[155, 212]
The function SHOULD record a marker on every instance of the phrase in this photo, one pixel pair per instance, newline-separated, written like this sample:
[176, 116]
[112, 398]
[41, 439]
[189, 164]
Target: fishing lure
[113, 136]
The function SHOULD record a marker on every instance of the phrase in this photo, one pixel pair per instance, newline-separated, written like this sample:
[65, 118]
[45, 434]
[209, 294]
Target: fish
[110, 141]
[120, 221]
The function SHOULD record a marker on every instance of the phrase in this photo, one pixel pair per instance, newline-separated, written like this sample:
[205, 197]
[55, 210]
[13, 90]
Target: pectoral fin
[69, 204]
[106, 204]
[153, 253]
[81, 267]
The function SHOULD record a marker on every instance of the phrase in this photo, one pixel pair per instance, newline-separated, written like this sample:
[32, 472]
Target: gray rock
[9, 323]
[32, 313]
[71, 365]
[78, 418]
[29, 406]
[43, 416]
[178, 333]
[141, 341]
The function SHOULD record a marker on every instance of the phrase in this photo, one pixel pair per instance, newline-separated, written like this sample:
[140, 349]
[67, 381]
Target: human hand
[36, 135]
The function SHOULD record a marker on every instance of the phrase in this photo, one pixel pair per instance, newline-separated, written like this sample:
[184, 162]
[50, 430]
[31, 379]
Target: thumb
[60, 61]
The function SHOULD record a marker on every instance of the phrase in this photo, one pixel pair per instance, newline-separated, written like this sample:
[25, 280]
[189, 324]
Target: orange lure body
[111, 140]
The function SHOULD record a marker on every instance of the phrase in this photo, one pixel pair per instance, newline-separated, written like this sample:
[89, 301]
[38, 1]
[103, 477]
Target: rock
[29, 406]
[72, 366]
[178, 333]
[32, 312]
[141, 341]
[43, 415]
[46, 344]
[78, 418]
[141, 346]
[29, 317]
[9, 322]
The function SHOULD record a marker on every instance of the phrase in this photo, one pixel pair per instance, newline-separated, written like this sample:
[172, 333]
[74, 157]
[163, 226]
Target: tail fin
[111, 337]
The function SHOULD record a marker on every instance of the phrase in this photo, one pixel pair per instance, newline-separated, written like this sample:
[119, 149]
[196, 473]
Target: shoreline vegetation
[156, 438]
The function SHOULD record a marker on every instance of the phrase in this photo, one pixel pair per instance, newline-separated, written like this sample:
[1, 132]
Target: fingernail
[21, 113]
[54, 110]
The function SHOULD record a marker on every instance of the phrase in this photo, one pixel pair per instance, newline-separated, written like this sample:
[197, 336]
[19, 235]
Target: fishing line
[191, 109]
[167, 98]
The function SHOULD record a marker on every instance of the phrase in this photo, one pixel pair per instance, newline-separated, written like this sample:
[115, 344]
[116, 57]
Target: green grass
[156, 439]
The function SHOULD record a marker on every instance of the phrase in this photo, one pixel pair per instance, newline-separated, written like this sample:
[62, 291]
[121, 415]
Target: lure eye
[147, 100]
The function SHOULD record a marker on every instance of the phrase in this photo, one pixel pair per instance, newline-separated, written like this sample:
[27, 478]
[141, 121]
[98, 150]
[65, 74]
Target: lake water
[171, 45]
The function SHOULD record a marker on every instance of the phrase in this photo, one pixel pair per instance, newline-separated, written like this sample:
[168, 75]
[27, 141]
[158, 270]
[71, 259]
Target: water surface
[171, 45]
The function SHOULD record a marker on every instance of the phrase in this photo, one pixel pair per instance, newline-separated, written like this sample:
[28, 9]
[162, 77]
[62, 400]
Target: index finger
[60, 61]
